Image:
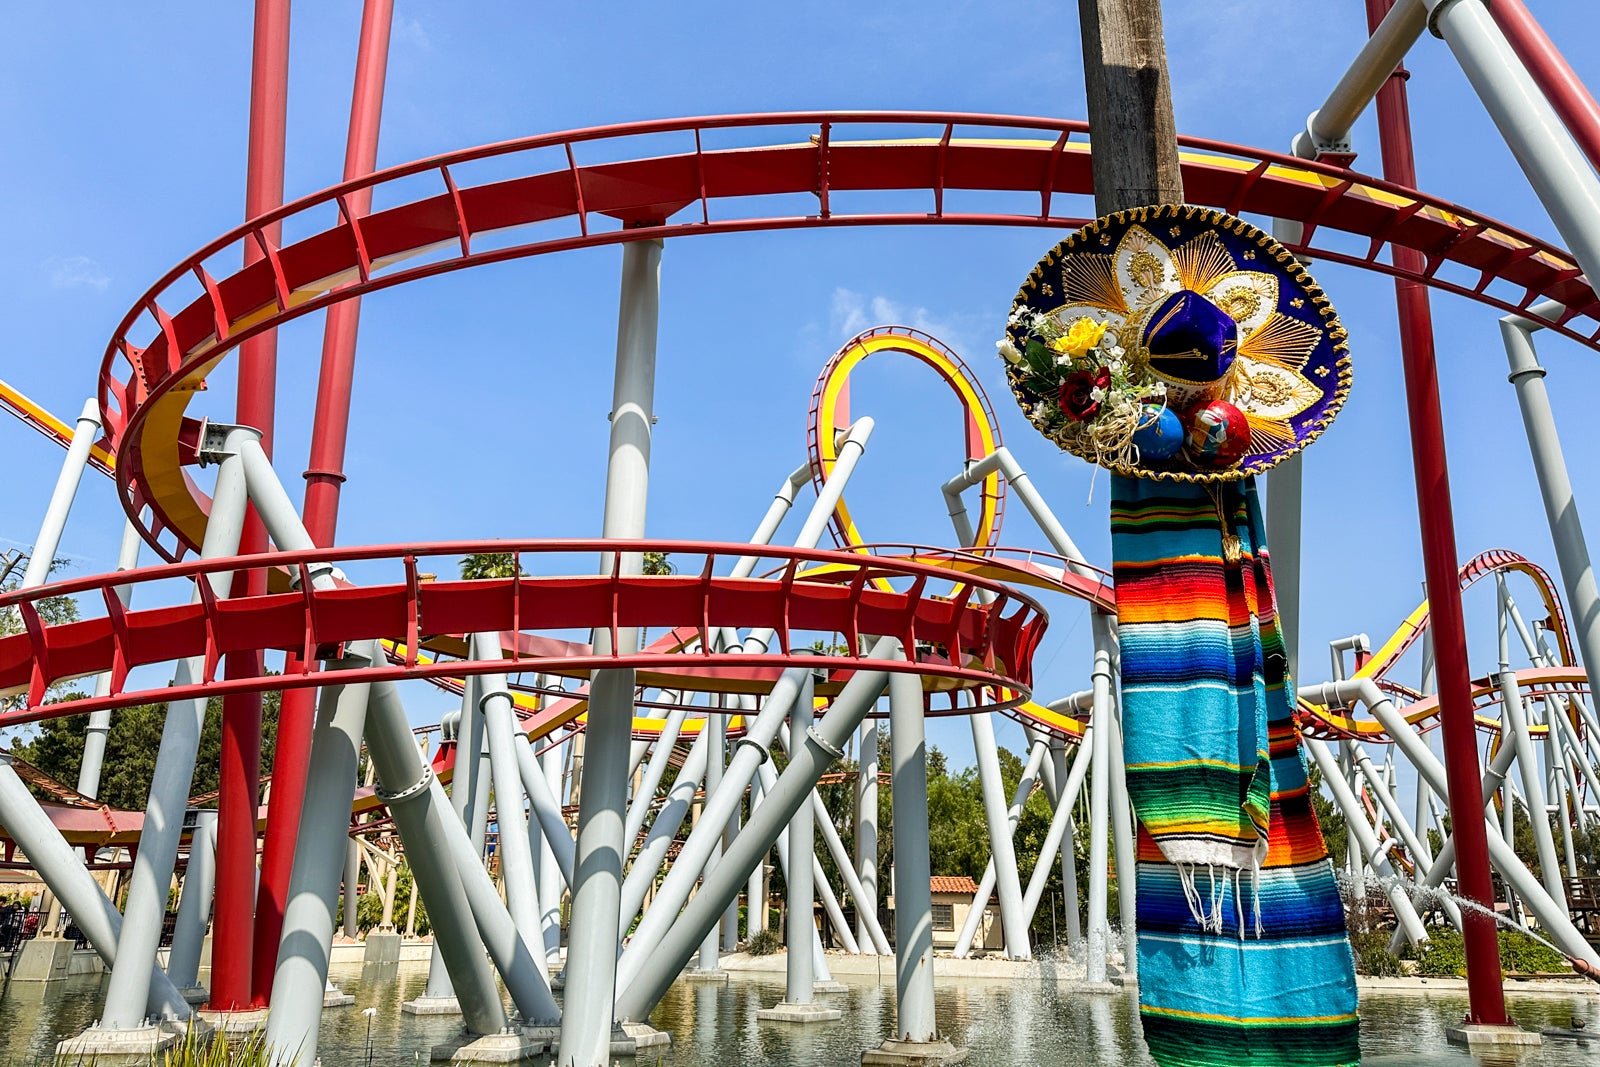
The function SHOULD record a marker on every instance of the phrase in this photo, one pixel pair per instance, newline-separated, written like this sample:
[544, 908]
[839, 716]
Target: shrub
[1445, 954]
[1371, 949]
[764, 943]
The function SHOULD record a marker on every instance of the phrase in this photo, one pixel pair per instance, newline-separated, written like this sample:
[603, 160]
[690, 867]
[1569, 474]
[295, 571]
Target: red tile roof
[940, 883]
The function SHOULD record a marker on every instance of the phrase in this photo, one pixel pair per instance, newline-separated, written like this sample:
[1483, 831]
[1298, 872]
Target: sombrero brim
[1293, 362]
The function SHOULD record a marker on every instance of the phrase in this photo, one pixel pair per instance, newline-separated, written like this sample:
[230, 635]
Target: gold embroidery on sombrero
[1202, 263]
[1281, 341]
[1089, 279]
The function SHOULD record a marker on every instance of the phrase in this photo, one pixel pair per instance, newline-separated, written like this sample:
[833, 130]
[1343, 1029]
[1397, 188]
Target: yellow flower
[1082, 335]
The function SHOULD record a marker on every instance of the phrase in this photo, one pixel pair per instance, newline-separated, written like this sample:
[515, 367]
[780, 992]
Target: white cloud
[76, 272]
[853, 312]
[409, 31]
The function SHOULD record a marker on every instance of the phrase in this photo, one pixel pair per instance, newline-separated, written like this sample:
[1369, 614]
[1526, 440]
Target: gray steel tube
[706, 836]
[980, 900]
[798, 974]
[45, 545]
[99, 724]
[824, 743]
[913, 902]
[1099, 816]
[128, 990]
[654, 770]
[63, 871]
[516, 851]
[1552, 161]
[1383, 51]
[301, 972]
[1355, 819]
[1551, 915]
[866, 835]
[194, 903]
[407, 787]
[647, 861]
[1555, 487]
[546, 809]
[1002, 849]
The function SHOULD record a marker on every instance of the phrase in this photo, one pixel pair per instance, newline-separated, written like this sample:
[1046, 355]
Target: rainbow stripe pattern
[1243, 956]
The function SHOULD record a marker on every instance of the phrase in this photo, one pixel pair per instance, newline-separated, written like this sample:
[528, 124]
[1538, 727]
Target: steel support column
[866, 835]
[1426, 424]
[587, 1022]
[129, 987]
[798, 972]
[1001, 847]
[516, 852]
[913, 902]
[194, 903]
[821, 746]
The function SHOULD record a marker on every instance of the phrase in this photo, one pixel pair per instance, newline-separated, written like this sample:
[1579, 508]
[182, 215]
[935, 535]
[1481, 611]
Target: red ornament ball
[1219, 435]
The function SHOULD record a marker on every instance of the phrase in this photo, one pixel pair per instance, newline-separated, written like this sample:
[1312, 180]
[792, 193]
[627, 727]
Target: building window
[944, 916]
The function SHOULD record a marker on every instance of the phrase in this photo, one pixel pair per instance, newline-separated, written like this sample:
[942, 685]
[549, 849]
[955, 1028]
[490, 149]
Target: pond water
[1005, 1024]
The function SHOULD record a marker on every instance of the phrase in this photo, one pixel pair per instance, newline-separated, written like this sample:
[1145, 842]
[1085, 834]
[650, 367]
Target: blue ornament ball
[1160, 433]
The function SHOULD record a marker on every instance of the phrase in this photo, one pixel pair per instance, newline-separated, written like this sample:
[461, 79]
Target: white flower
[1041, 410]
[1039, 322]
[1097, 393]
[1018, 314]
[1116, 352]
[1063, 359]
[1115, 366]
[1010, 351]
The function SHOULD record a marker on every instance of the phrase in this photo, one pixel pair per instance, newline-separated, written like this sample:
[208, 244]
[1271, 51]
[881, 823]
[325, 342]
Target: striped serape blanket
[1243, 955]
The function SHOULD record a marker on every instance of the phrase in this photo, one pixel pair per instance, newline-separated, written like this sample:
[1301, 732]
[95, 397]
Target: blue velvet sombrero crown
[1174, 307]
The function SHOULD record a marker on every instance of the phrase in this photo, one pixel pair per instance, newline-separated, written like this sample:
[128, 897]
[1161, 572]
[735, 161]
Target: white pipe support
[655, 769]
[866, 834]
[1415, 844]
[1355, 818]
[61, 867]
[824, 744]
[128, 990]
[1002, 849]
[43, 555]
[716, 725]
[782, 501]
[98, 725]
[866, 910]
[1551, 915]
[1555, 166]
[1532, 785]
[980, 899]
[194, 902]
[706, 836]
[652, 854]
[546, 810]
[1099, 817]
[516, 851]
[1328, 128]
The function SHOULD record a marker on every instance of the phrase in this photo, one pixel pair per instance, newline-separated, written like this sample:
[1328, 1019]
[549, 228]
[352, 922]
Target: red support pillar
[330, 426]
[239, 795]
[1552, 74]
[1486, 998]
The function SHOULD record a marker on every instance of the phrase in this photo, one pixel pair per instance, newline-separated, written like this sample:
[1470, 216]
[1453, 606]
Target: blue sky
[481, 396]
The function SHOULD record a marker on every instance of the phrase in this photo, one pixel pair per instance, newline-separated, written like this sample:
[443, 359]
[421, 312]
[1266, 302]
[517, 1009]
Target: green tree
[56, 748]
[53, 611]
[489, 565]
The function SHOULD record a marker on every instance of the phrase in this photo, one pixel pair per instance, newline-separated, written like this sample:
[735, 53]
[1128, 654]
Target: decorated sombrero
[1176, 342]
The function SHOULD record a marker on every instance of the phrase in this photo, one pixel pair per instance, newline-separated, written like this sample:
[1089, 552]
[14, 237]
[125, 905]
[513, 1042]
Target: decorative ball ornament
[1175, 305]
[1160, 434]
[1219, 435]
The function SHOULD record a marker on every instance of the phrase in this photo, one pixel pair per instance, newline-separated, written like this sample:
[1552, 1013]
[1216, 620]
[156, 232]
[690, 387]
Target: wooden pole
[1134, 134]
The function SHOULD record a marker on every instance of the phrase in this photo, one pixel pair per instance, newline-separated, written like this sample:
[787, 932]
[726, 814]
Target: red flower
[1077, 393]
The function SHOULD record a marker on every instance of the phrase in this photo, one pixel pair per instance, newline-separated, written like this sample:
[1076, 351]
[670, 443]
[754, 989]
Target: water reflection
[1006, 1024]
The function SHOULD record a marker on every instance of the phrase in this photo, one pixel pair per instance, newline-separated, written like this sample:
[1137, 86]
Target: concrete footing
[829, 986]
[42, 959]
[382, 949]
[426, 1005]
[705, 976]
[1476, 1035]
[236, 1023]
[195, 995]
[785, 1012]
[510, 1047]
[334, 997]
[114, 1048]
[915, 1054]
[646, 1036]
